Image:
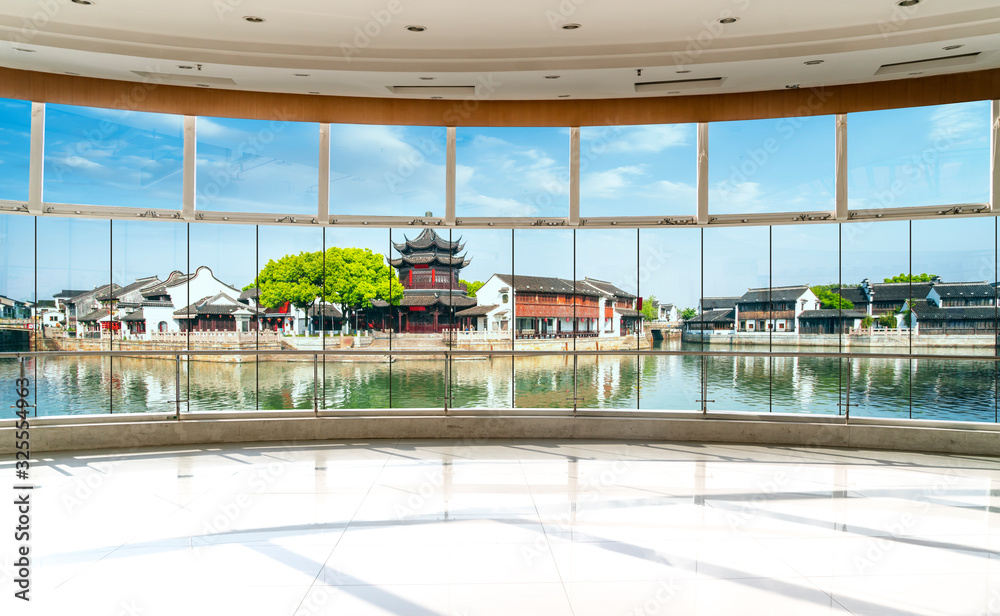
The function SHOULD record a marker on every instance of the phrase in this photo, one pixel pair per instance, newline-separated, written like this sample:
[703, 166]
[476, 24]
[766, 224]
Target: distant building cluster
[932, 307]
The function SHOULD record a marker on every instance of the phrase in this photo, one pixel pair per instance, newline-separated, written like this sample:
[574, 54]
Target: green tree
[828, 299]
[887, 320]
[296, 279]
[647, 308]
[867, 322]
[911, 278]
[472, 287]
[688, 313]
[357, 276]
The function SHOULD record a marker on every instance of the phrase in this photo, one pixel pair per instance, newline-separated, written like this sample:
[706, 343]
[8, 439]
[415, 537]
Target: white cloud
[643, 139]
[960, 122]
[743, 198]
[482, 205]
[610, 183]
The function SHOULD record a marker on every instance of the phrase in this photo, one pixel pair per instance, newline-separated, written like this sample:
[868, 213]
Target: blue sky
[925, 156]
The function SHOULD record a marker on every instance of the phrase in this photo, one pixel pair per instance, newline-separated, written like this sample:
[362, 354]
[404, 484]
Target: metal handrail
[495, 353]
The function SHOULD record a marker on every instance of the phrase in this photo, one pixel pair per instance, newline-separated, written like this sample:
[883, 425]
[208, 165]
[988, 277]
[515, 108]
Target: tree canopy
[472, 287]
[353, 278]
[647, 308]
[828, 299]
[911, 278]
[688, 313]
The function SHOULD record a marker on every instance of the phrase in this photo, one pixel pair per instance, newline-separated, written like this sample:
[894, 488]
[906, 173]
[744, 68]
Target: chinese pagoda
[429, 268]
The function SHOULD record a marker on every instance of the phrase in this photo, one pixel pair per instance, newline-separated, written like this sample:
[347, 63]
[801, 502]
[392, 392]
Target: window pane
[608, 381]
[222, 261]
[547, 315]
[17, 296]
[484, 382]
[512, 172]
[261, 166]
[638, 170]
[113, 157]
[387, 170]
[957, 314]
[737, 264]
[670, 279]
[921, 156]
[15, 148]
[144, 253]
[763, 166]
[74, 270]
[875, 265]
[810, 317]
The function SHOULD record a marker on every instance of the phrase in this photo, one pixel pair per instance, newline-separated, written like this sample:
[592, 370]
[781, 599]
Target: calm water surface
[939, 389]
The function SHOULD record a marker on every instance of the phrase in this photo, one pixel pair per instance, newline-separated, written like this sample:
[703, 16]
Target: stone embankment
[892, 340]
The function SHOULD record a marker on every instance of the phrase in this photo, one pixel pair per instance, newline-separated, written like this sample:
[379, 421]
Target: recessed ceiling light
[437, 98]
[953, 47]
[203, 85]
[918, 73]
[301, 74]
[24, 50]
[729, 20]
[314, 92]
[564, 96]
[907, 2]
[793, 86]
[572, 27]
[186, 67]
[83, 2]
[813, 62]
[427, 79]
[674, 92]
[416, 28]
[254, 20]
[682, 72]
[552, 76]
[72, 73]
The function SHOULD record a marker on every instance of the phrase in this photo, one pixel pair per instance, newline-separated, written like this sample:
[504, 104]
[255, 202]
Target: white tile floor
[452, 528]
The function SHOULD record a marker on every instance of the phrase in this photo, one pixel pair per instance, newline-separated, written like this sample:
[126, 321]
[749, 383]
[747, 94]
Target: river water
[939, 389]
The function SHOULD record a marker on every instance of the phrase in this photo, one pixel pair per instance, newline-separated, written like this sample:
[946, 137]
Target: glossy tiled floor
[510, 528]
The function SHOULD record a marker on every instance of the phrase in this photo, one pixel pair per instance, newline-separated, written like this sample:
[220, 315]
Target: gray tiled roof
[542, 284]
[607, 288]
[720, 315]
[830, 313]
[477, 311]
[714, 303]
[774, 294]
[928, 312]
[962, 290]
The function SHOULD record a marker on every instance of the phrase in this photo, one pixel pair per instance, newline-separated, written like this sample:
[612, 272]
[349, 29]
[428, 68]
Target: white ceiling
[511, 45]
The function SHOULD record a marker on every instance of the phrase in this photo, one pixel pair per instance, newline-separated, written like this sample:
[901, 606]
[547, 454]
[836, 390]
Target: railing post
[316, 384]
[847, 400]
[177, 386]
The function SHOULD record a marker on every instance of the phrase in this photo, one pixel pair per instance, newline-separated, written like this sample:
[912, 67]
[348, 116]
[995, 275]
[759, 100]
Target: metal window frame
[701, 217]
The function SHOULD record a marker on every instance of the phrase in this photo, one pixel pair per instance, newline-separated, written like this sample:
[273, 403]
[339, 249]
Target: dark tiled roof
[832, 314]
[542, 284]
[427, 239]
[94, 316]
[774, 294]
[721, 315]
[152, 304]
[206, 306]
[715, 303]
[427, 259]
[476, 311]
[928, 312]
[135, 316]
[138, 284]
[251, 293]
[431, 299]
[900, 291]
[327, 311]
[607, 288]
[961, 290]
[626, 312]
[855, 295]
[175, 278]
[68, 293]
[99, 290]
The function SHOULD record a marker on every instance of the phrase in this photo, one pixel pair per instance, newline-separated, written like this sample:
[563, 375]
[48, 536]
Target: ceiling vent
[184, 80]
[679, 84]
[428, 91]
[930, 63]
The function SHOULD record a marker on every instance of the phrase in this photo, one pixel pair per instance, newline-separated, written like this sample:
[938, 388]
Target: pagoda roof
[431, 259]
[429, 239]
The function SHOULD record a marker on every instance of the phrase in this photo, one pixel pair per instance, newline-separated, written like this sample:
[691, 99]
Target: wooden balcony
[764, 315]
